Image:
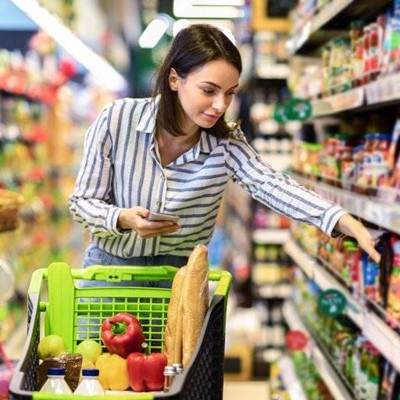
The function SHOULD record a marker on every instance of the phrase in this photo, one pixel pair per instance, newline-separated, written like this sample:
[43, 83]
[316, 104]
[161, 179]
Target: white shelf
[373, 328]
[280, 290]
[316, 22]
[374, 210]
[290, 379]
[328, 374]
[271, 236]
[386, 89]
[339, 102]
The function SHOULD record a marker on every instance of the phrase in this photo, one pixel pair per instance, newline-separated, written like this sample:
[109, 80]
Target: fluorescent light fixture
[233, 3]
[101, 70]
[184, 9]
[160, 25]
[153, 33]
[225, 28]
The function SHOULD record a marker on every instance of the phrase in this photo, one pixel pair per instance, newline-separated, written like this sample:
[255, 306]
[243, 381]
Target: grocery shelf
[290, 380]
[271, 236]
[384, 338]
[373, 209]
[384, 92]
[328, 22]
[340, 102]
[335, 384]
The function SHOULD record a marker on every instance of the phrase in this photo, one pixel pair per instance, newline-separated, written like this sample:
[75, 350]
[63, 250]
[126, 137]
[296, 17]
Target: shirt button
[159, 203]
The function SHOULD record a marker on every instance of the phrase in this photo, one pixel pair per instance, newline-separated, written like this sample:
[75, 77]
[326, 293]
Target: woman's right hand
[135, 218]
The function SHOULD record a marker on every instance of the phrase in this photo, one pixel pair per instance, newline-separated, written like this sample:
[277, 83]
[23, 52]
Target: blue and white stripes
[121, 169]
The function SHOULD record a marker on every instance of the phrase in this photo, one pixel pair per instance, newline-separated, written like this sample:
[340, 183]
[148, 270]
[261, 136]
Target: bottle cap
[178, 367]
[90, 372]
[169, 370]
[56, 371]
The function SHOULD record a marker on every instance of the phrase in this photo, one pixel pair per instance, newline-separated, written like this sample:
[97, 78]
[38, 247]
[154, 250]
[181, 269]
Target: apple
[50, 346]
[90, 349]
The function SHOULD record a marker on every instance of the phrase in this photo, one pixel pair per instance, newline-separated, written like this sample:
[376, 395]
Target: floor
[246, 390]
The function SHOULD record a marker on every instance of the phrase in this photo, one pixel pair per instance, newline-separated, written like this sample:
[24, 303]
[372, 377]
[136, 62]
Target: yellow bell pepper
[113, 372]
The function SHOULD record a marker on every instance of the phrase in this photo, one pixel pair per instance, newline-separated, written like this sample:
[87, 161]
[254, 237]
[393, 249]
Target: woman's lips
[210, 117]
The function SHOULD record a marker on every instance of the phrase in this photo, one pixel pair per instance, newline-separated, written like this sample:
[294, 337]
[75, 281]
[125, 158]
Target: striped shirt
[121, 168]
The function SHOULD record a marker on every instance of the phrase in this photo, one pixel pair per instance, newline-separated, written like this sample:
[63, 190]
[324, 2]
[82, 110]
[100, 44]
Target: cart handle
[118, 274]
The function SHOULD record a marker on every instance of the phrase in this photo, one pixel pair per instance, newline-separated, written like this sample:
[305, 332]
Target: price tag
[296, 340]
[332, 302]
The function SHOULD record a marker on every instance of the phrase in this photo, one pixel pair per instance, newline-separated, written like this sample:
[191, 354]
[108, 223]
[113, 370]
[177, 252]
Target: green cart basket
[68, 303]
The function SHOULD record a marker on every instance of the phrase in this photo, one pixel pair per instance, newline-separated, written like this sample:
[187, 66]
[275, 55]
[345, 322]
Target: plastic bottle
[55, 382]
[169, 374]
[178, 368]
[90, 385]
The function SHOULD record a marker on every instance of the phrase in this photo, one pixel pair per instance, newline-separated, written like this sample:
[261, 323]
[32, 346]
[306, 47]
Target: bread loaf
[173, 330]
[194, 300]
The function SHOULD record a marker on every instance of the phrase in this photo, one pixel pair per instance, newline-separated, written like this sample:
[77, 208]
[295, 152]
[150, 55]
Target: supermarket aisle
[254, 390]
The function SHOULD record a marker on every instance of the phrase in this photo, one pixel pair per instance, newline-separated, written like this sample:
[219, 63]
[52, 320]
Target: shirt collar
[147, 124]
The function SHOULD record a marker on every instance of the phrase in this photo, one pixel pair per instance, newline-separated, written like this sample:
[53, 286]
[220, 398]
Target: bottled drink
[90, 385]
[169, 374]
[55, 382]
[178, 368]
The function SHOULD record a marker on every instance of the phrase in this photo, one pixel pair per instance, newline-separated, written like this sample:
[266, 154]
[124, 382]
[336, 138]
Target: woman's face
[206, 93]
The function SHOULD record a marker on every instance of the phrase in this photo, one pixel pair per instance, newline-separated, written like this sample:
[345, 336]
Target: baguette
[194, 300]
[173, 330]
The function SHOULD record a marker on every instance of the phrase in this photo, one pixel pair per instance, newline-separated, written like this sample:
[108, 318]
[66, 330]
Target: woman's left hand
[351, 227]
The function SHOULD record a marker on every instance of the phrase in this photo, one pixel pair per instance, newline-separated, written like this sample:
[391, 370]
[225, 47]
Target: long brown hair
[192, 48]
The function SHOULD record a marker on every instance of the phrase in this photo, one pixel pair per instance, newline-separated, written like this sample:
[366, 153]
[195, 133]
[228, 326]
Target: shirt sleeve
[91, 202]
[279, 191]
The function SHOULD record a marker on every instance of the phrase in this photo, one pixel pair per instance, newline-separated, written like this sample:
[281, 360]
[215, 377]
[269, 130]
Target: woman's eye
[208, 91]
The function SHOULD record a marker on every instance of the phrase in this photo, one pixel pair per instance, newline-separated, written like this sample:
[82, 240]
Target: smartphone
[154, 216]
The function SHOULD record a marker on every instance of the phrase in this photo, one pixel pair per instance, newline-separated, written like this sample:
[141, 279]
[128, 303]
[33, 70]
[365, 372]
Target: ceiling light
[183, 9]
[153, 33]
[234, 3]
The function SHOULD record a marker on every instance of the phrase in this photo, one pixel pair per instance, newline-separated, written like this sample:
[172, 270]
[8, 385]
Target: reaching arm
[351, 227]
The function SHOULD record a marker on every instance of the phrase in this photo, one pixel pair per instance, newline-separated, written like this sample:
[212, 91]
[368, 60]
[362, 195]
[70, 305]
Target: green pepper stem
[118, 328]
[146, 348]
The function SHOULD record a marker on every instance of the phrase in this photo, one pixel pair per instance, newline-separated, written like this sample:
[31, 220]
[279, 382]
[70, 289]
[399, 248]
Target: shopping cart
[61, 301]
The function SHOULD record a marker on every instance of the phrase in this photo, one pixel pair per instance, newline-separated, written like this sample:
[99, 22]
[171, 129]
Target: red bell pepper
[122, 334]
[146, 371]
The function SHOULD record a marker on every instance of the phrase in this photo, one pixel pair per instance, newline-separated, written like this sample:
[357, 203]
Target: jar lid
[90, 372]
[56, 371]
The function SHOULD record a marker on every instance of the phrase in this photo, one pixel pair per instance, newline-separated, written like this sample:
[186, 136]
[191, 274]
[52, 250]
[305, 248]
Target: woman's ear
[173, 80]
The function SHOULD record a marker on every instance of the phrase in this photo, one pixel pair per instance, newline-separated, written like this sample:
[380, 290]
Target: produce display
[121, 354]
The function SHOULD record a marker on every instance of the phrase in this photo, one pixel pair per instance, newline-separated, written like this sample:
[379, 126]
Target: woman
[175, 153]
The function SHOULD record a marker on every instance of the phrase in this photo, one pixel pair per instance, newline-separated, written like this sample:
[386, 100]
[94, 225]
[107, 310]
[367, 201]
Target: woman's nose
[220, 104]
